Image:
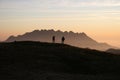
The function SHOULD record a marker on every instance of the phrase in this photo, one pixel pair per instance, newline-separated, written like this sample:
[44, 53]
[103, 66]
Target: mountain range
[76, 39]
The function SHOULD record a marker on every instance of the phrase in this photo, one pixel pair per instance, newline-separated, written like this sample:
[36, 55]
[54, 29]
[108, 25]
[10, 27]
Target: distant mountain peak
[72, 38]
[11, 37]
[36, 31]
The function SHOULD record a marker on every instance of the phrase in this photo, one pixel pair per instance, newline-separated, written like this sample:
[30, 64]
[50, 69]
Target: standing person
[63, 39]
[53, 39]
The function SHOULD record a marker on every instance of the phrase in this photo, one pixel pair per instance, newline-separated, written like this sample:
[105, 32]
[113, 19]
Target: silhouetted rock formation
[75, 39]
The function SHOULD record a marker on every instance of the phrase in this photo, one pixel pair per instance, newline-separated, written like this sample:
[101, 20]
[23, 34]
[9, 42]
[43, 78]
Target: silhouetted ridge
[75, 39]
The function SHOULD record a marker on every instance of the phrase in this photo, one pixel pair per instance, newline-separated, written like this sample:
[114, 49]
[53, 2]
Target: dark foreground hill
[75, 39]
[46, 61]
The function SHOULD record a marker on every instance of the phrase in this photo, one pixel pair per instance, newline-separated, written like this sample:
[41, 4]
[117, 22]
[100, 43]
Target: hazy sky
[100, 19]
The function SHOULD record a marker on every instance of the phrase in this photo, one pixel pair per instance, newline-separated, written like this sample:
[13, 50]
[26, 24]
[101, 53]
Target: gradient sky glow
[100, 19]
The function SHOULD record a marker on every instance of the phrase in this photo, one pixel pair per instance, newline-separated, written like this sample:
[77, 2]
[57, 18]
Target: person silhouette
[53, 39]
[63, 39]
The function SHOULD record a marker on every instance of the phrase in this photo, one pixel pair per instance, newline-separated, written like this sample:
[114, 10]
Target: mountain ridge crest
[72, 38]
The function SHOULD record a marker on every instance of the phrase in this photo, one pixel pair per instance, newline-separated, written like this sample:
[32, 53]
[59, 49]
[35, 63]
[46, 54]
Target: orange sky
[100, 19]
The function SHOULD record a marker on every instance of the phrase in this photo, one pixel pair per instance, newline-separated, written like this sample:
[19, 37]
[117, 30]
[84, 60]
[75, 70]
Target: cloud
[79, 3]
[57, 7]
[56, 3]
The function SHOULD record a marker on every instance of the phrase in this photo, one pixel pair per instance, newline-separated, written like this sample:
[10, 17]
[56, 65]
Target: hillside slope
[75, 39]
[114, 51]
[46, 61]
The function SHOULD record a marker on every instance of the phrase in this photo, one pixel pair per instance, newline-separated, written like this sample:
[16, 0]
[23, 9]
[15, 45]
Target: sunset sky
[99, 19]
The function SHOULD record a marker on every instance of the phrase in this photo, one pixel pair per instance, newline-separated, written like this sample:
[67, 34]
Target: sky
[99, 19]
